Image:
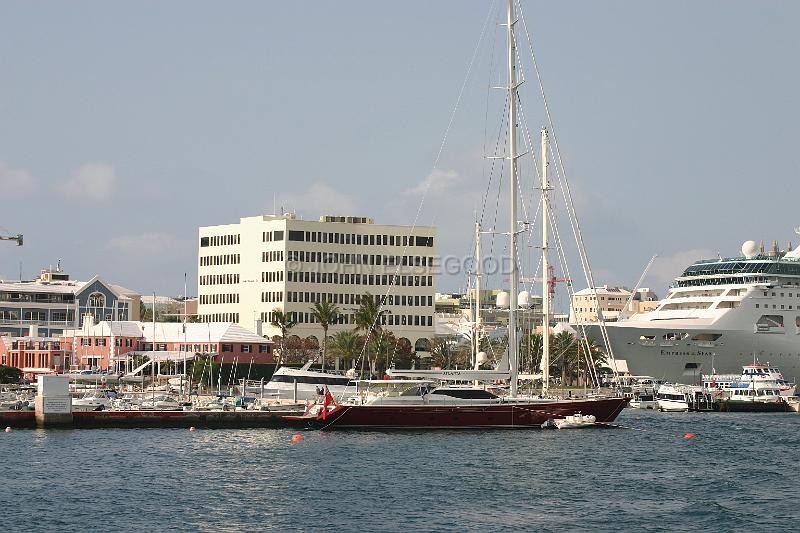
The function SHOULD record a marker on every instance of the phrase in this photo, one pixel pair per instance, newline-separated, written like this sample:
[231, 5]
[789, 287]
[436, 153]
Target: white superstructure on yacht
[717, 314]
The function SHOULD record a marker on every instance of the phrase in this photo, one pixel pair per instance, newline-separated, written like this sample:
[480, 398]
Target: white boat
[301, 384]
[161, 403]
[717, 313]
[672, 398]
[92, 401]
[575, 421]
[643, 399]
[764, 375]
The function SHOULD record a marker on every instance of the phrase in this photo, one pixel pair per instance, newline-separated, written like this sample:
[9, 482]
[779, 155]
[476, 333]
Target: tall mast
[512, 157]
[476, 336]
[545, 268]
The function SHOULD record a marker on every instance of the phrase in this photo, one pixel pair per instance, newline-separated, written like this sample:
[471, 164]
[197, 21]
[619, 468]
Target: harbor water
[737, 474]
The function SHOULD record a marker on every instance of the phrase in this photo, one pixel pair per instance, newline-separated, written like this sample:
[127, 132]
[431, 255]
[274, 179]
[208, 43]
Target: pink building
[110, 345]
[33, 355]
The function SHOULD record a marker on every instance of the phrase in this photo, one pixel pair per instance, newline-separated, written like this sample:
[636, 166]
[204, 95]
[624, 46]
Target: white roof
[196, 333]
[604, 290]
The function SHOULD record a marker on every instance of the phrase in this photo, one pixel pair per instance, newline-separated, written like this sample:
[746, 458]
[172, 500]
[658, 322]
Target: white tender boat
[575, 421]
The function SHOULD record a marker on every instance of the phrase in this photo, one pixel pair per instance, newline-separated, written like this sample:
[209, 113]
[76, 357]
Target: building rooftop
[195, 333]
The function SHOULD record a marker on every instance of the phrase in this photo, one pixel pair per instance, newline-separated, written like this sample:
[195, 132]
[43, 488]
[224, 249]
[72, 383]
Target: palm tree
[284, 322]
[440, 352]
[383, 344]
[326, 314]
[564, 353]
[347, 345]
[369, 317]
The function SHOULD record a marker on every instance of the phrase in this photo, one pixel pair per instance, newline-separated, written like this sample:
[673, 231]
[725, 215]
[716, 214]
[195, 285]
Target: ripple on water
[647, 478]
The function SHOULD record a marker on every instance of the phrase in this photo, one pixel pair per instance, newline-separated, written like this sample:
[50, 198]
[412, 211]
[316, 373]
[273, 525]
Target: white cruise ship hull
[685, 360]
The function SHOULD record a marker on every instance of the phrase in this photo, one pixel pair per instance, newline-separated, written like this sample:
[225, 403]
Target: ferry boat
[758, 373]
[753, 397]
[717, 313]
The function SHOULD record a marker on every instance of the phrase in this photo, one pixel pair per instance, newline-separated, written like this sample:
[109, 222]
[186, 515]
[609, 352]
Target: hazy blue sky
[125, 126]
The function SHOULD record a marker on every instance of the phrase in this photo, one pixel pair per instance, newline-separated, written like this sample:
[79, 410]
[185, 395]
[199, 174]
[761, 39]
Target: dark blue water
[738, 474]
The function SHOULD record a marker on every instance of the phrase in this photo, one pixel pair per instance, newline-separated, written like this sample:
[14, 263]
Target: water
[737, 474]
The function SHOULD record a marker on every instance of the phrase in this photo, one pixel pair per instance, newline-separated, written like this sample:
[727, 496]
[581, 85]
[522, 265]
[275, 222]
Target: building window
[246, 348]
[227, 348]
[97, 299]
[295, 235]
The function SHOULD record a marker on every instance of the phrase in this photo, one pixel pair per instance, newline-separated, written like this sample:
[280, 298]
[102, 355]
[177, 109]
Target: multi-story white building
[248, 270]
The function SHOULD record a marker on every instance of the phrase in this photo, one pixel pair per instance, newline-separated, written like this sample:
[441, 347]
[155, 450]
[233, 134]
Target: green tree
[369, 318]
[383, 347]
[325, 313]
[10, 374]
[284, 322]
[347, 345]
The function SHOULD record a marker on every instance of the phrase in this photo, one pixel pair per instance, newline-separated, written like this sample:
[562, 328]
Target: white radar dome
[502, 300]
[481, 358]
[750, 249]
[524, 299]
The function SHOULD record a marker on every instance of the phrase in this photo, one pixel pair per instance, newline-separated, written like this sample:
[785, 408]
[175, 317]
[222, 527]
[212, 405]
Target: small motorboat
[575, 421]
[161, 403]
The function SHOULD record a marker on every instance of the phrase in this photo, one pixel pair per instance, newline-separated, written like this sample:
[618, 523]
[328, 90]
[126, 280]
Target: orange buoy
[192, 428]
[8, 429]
[688, 436]
[637, 417]
[297, 438]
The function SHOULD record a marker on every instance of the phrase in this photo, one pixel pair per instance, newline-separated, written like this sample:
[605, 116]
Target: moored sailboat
[427, 405]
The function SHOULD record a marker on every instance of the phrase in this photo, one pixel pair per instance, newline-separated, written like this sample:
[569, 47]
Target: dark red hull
[501, 415]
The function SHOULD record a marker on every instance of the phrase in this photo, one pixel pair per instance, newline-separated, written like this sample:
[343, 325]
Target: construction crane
[17, 238]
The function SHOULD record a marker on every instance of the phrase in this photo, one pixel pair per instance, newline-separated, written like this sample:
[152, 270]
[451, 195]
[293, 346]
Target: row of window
[783, 306]
[361, 279]
[225, 348]
[42, 297]
[335, 258]
[272, 255]
[38, 316]
[269, 236]
[220, 240]
[224, 259]
[231, 298]
[34, 345]
[220, 317]
[349, 319]
[270, 277]
[272, 296]
[355, 299]
[359, 239]
[219, 279]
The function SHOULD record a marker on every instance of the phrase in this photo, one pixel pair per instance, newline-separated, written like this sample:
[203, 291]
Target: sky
[124, 126]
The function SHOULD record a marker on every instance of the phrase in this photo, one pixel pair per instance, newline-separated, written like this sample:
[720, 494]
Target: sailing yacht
[447, 406]
[716, 315]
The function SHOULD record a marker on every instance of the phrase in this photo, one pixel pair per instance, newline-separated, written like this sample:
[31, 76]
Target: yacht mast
[476, 336]
[545, 268]
[512, 157]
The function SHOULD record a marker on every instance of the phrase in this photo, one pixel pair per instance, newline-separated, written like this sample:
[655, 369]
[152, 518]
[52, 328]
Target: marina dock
[156, 419]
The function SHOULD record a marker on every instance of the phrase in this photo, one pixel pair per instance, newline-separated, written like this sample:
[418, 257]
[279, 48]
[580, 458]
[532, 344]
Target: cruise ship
[718, 316]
